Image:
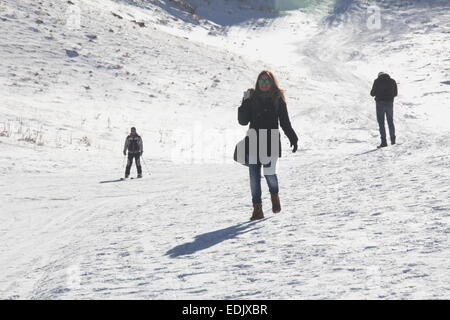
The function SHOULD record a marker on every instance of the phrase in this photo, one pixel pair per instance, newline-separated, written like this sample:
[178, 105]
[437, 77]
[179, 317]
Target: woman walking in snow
[264, 107]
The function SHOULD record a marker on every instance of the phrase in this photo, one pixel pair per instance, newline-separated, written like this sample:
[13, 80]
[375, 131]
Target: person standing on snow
[264, 107]
[135, 147]
[384, 90]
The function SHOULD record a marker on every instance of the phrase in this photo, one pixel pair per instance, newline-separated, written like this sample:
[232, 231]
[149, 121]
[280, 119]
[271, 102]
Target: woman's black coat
[263, 113]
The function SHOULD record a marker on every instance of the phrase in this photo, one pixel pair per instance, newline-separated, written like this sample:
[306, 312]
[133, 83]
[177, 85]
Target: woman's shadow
[209, 239]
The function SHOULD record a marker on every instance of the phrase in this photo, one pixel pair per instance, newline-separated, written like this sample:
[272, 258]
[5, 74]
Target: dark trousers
[137, 157]
[386, 109]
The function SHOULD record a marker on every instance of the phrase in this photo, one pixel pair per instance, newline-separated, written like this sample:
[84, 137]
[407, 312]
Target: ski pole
[145, 164]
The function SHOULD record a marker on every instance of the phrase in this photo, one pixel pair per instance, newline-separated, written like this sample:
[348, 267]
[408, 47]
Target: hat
[381, 73]
[133, 129]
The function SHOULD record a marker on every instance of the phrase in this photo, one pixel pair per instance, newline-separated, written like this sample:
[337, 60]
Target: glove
[247, 94]
[295, 147]
[142, 153]
[124, 153]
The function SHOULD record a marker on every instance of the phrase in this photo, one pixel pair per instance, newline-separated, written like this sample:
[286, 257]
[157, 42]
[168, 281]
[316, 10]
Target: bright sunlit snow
[356, 222]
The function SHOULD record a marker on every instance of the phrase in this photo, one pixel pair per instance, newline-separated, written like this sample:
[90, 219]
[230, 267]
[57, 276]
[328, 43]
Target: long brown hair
[275, 90]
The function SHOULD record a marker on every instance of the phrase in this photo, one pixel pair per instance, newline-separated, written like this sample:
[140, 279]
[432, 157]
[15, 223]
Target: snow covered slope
[356, 222]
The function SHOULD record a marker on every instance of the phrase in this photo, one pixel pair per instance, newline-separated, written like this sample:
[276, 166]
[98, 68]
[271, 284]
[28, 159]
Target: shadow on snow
[373, 150]
[209, 239]
[110, 181]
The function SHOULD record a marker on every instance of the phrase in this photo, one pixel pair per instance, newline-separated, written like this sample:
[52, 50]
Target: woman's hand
[248, 94]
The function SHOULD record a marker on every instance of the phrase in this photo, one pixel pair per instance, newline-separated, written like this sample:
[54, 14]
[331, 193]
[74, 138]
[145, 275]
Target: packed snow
[356, 222]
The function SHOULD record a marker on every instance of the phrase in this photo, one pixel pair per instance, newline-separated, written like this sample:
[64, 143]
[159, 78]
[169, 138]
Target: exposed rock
[116, 15]
[72, 53]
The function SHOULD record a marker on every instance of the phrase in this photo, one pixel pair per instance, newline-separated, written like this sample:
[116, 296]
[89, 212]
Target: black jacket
[133, 144]
[263, 113]
[384, 88]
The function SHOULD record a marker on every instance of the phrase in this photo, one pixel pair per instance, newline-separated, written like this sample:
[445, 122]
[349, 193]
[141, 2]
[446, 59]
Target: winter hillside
[356, 222]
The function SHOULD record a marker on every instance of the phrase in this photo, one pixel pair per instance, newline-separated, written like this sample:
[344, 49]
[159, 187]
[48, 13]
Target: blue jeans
[255, 180]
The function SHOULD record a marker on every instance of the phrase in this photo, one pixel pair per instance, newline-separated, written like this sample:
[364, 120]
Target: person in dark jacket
[384, 90]
[135, 147]
[264, 107]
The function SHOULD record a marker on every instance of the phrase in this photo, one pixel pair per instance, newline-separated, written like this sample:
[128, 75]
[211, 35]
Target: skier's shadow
[111, 181]
[209, 239]
[370, 151]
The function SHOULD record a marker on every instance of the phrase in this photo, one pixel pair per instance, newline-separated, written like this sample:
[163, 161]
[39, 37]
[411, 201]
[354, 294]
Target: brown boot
[276, 206]
[257, 212]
